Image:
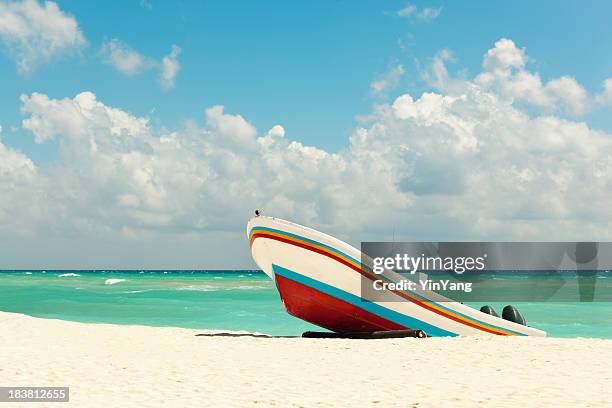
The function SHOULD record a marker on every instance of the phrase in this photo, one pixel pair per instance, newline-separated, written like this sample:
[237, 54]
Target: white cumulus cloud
[34, 33]
[464, 162]
[605, 98]
[469, 165]
[387, 81]
[128, 61]
[230, 128]
[124, 58]
[425, 14]
[505, 73]
[170, 68]
[504, 55]
[14, 165]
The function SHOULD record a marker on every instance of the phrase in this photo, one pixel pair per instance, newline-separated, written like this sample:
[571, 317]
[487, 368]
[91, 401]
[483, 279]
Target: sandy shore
[136, 366]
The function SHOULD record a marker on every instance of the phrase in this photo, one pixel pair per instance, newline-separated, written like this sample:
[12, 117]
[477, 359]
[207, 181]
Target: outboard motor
[489, 310]
[510, 313]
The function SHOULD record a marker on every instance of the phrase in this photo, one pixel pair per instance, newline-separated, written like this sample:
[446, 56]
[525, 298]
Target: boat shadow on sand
[263, 336]
[387, 334]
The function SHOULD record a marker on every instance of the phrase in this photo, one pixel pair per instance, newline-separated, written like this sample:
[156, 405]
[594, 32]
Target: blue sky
[291, 62]
[111, 162]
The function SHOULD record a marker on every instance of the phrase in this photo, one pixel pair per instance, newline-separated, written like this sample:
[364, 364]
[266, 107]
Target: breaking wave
[113, 281]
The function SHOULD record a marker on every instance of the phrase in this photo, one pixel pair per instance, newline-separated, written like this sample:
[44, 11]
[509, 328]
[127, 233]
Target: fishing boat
[320, 280]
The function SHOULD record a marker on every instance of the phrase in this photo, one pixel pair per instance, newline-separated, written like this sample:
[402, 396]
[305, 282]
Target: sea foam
[199, 288]
[113, 281]
[248, 287]
[64, 275]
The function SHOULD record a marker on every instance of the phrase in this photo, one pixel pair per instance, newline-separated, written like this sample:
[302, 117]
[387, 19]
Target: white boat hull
[320, 280]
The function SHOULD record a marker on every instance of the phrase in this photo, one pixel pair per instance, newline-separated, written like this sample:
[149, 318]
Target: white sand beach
[136, 366]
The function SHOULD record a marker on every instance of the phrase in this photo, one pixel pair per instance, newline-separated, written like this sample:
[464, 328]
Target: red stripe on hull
[328, 311]
[305, 246]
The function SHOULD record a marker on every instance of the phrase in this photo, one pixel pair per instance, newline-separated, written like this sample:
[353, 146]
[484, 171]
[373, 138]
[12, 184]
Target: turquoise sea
[227, 300]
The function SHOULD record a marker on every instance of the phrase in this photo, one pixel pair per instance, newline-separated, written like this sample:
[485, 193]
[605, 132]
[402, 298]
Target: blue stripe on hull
[367, 305]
